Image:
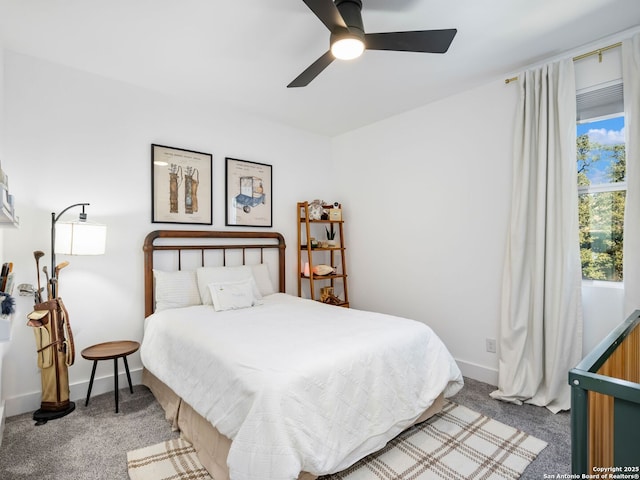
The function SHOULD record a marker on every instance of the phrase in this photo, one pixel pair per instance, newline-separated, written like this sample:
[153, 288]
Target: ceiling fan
[348, 40]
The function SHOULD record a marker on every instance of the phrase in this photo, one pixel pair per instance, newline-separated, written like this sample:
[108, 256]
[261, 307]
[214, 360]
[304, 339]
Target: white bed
[293, 385]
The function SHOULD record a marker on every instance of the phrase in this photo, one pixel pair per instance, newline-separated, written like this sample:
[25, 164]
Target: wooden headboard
[193, 241]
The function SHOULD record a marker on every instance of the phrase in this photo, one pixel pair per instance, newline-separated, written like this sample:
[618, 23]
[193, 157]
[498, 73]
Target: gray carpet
[555, 459]
[92, 442]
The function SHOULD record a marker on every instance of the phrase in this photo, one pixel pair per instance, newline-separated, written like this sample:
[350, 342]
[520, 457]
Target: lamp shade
[80, 238]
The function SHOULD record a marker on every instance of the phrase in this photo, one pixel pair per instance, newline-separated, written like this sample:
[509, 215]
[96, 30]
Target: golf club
[46, 273]
[56, 277]
[38, 254]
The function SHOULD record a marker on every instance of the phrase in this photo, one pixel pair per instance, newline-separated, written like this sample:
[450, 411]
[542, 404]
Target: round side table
[110, 351]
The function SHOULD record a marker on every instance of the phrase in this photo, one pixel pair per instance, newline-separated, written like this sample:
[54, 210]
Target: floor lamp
[50, 320]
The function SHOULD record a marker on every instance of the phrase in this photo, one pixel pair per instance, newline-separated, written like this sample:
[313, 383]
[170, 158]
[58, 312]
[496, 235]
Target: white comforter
[299, 385]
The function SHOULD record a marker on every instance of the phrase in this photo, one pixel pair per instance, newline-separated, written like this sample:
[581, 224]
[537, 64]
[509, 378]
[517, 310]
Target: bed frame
[605, 404]
[205, 241]
[181, 246]
[211, 446]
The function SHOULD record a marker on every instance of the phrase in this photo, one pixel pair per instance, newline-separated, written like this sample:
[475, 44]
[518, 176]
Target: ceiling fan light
[347, 48]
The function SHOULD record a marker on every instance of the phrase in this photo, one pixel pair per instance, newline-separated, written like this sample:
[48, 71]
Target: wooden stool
[108, 351]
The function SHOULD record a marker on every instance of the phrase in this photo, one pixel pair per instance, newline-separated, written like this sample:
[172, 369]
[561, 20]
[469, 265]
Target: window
[601, 165]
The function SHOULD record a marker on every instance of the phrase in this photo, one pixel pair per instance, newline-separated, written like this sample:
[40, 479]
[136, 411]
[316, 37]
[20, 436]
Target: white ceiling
[243, 53]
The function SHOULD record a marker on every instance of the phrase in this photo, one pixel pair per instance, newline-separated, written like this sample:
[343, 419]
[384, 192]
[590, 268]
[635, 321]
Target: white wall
[427, 199]
[73, 137]
[3, 346]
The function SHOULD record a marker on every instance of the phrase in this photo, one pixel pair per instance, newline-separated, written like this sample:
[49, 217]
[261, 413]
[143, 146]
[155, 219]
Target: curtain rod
[580, 57]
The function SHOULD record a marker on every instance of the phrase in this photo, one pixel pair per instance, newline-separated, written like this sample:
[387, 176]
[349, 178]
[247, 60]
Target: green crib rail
[626, 405]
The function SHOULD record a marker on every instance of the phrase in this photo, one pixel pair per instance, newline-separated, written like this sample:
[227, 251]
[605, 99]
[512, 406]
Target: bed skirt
[211, 446]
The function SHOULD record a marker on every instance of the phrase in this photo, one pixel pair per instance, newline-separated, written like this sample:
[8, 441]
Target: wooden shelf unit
[308, 254]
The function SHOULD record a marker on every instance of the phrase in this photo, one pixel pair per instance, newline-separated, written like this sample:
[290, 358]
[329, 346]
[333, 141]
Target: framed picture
[181, 188]
[249, 193]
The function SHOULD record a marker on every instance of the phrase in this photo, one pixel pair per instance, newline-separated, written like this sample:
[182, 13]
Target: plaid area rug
[457, 443]
[174, 459]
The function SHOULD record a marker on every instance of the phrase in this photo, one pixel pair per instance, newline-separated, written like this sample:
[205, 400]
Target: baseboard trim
[478, 372]
[30, 402]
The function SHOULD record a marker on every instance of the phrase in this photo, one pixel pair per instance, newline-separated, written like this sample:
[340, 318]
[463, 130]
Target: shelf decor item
[316, 210]
[325, 292]
[335, 212]
[331, 237]
[181, 186]
[249, 193]
[323, 270]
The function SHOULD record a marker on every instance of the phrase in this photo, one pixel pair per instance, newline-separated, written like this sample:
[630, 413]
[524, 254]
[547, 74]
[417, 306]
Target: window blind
[600, 102]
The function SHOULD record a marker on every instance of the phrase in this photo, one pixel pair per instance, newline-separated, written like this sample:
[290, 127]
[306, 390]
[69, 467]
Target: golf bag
[56, 352]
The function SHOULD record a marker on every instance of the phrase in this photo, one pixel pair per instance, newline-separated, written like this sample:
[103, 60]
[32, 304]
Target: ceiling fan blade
[312, 71]
[426, 41]
[328, 14]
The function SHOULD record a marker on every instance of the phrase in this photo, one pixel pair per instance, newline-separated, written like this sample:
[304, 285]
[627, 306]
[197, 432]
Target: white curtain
[541, 318]
[631, 256]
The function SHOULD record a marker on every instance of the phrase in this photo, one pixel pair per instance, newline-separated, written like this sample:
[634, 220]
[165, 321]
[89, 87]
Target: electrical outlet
[491, 345]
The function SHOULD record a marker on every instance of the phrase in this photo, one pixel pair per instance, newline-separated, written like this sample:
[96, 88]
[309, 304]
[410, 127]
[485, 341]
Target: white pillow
[232, 295]
[176, 289]
[263, 279]
[209, 275]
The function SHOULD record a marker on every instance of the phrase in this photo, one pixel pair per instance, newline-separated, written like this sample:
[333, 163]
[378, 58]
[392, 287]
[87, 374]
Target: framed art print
[181, 186]
[249, 193]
